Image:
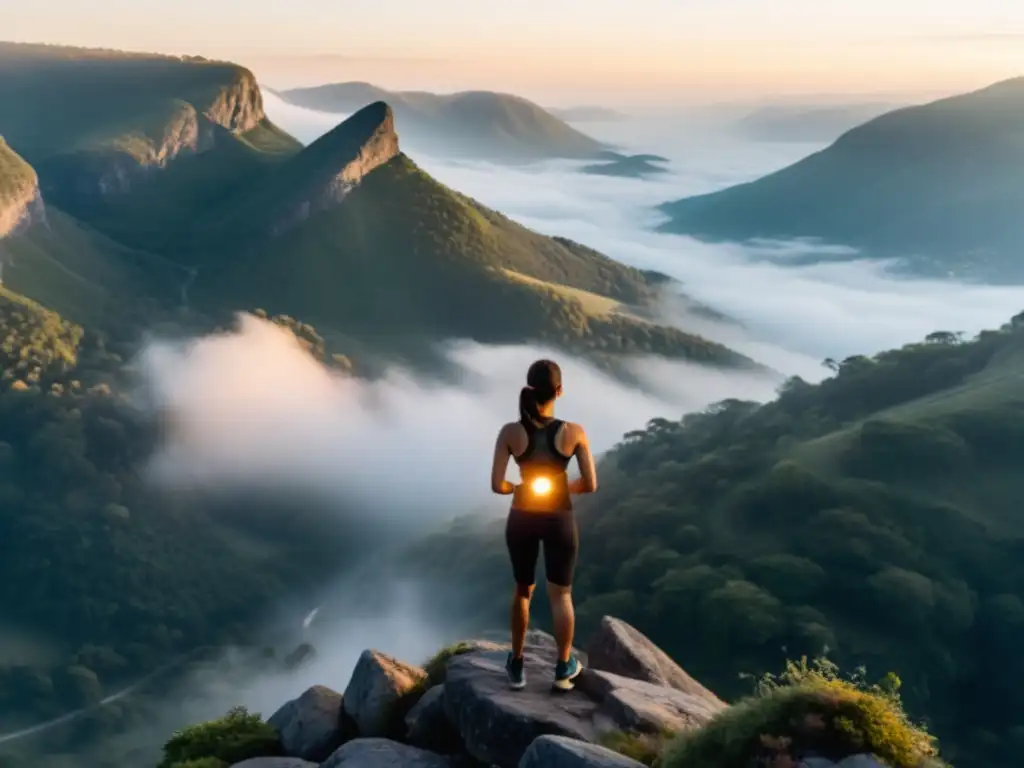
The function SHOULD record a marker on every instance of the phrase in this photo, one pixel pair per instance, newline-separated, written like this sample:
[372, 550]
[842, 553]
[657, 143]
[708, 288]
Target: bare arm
[502, 453]
[587, 482]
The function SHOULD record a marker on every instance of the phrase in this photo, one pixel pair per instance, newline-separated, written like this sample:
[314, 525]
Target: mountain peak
[329, 168]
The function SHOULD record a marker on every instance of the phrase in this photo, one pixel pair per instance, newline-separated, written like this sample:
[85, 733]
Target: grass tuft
[808, 710]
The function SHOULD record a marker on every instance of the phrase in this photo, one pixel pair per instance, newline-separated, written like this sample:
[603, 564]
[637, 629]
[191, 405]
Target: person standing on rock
[541, 512]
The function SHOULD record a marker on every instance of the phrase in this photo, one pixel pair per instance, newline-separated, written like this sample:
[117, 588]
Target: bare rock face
[497, 724]
[239, 106]
[427, 726]
[623, 650]
[21, 202]
[562, 752]
[644, 707]
[377, 683]
[345, 156]
[383, 753]
[313, 725]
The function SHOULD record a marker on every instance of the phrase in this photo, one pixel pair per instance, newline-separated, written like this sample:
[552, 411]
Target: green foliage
[237, 736]
[645, 748]
[747, 534]
[808, 709]
[90, 553]
[443, 271]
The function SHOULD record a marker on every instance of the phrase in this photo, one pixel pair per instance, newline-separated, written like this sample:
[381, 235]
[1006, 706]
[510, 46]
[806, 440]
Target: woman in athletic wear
[541, 512]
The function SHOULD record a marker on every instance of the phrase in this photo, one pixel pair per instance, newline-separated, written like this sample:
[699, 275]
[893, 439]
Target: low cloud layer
[251, 407]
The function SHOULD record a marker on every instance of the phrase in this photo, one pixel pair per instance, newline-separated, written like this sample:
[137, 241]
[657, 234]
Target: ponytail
[529, 409]
[543, 382]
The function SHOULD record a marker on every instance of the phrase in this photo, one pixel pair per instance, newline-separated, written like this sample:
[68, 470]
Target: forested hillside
[875, 516]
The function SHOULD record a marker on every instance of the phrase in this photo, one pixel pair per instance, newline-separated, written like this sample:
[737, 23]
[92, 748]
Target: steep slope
[496, 126]
[52, 258]
[104, 130]
[940, 184]
[876, 515]
[20, 199]
[807, 122]
[350, 234]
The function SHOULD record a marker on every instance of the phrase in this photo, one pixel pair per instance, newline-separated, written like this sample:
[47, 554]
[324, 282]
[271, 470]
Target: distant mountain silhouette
[477, 124]
[940, 185]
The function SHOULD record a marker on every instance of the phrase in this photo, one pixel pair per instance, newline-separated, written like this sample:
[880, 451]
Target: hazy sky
[567, 50]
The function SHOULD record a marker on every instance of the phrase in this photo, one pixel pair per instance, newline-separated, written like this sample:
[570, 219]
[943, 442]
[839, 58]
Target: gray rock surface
[562, 752]
[377, 683]
[622, 649]
[383, 753]
[853, 761]
[275, 762]
[311, 726]
[428, 727]
[498, 724]
[636, 705]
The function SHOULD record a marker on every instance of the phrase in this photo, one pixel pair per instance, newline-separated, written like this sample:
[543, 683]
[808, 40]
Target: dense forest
[873, 517]
[113, 576]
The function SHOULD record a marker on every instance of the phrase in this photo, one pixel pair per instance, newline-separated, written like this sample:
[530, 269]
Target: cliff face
[336, 163]
[190, 127]
[21, 203]
[238, 106]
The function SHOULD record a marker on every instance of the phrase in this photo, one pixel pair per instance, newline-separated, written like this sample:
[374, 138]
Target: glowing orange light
[541, 486]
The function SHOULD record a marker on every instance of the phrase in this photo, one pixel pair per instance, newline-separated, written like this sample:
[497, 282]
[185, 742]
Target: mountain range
[472, 124]
[160, 173]
[940, 186]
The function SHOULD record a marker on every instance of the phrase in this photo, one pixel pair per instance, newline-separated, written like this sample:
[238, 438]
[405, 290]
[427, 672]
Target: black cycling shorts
[524, 533]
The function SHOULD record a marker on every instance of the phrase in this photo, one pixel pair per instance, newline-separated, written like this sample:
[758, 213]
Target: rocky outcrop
[498, 724]
[275, 762]
[21, 202]
[313, 725]
[377, 683]
[383, 753]
[560, 752]
[623, 650]
[336, 163]
[238, 107]
[643, 707]
[472, 718]
[427, 726]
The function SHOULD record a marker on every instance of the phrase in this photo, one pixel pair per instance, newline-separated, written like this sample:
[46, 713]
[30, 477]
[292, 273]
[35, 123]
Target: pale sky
[567, 50]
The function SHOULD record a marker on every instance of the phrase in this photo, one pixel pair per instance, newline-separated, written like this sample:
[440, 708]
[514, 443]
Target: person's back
[541, 512]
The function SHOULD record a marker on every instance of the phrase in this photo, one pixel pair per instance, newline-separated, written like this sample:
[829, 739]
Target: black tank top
[543, 459]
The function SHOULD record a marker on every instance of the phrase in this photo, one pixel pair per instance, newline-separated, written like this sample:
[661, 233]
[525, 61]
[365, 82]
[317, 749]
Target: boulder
[313, 725]
[635, 705]
[275, 762]
[498, 724]
[853, 761]
[427, 726]
[377, 683]
[623, 650]
[562, 752]
[383, 753]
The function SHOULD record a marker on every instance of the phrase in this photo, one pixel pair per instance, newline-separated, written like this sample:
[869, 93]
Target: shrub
[808, 709]
[237, 736]
[645, 748]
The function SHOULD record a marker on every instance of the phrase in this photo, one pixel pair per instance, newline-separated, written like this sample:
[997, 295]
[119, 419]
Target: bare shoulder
[510, 431]
[573, 435]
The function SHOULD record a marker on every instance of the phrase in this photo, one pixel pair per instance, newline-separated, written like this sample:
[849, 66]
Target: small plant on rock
[808, 709]
[231, 739]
